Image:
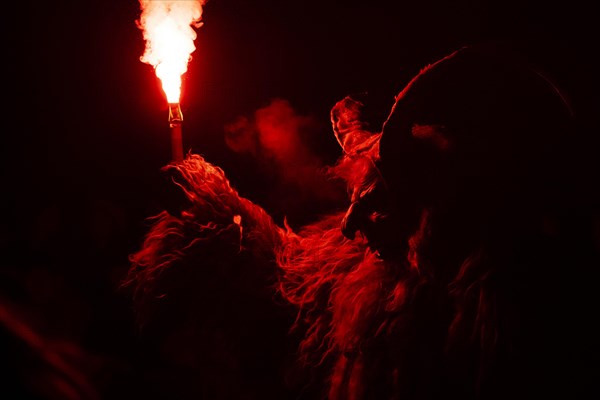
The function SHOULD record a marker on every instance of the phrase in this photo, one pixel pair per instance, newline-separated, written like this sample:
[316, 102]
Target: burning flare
[168, 27]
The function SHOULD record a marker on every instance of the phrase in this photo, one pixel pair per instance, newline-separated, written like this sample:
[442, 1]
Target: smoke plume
[277, 136]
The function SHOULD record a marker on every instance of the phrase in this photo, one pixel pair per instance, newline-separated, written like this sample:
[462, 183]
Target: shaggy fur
[469, 310]
[219, 232]
[351, 306]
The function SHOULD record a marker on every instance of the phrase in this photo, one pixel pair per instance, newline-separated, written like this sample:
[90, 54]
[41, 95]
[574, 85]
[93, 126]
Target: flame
[168, 28]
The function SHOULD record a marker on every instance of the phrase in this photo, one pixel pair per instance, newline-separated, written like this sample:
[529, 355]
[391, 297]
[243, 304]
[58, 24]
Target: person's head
[474, 143]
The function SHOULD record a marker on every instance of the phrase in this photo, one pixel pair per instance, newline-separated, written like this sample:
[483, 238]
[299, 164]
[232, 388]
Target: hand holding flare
[168, 27]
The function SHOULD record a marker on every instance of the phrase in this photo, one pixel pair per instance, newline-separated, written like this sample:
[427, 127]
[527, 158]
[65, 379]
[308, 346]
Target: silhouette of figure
[470, 276]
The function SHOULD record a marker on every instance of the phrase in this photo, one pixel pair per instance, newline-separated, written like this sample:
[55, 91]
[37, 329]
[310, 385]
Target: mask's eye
[369, 205]
[376, 217]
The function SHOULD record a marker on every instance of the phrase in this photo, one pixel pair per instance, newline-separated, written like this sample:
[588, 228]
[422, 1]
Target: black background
[85, 129]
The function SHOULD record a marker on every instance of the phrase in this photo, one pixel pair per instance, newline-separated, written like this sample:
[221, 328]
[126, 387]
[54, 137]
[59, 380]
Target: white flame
[168, 28]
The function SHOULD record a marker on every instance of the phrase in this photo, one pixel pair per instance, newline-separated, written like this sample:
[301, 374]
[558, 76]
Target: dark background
[85, 129]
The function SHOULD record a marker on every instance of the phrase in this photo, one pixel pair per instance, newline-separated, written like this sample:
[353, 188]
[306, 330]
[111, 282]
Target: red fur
[371, 326]
[424, 326]
[345, 296]
[217, 232]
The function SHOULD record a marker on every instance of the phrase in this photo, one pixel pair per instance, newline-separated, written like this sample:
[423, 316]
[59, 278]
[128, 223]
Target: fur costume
[347, 322]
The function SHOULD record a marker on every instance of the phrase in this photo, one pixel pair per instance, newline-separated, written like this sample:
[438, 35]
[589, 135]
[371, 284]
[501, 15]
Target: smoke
[168, 28]
[277, 136]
